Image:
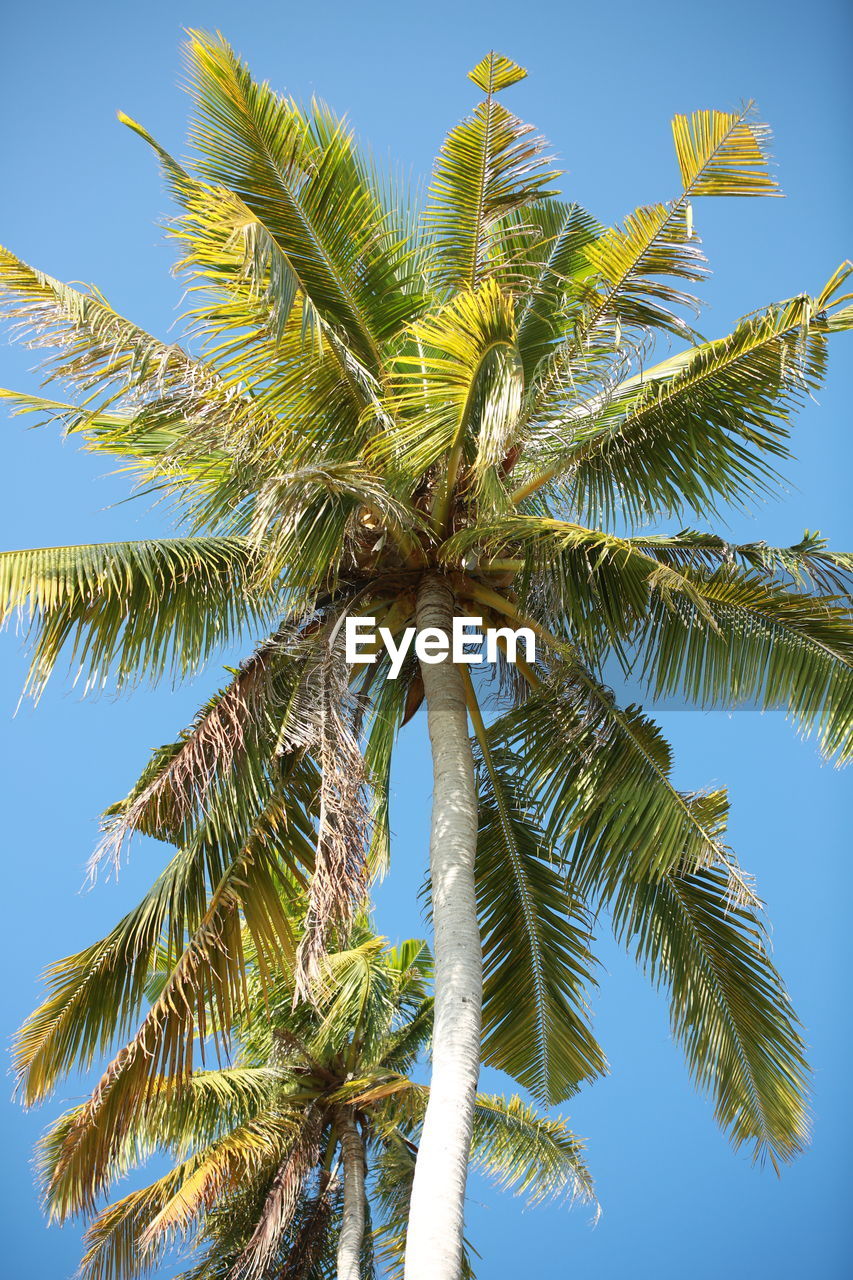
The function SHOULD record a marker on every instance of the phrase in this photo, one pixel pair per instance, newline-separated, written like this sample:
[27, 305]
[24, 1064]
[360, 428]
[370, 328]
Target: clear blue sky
[81, 199]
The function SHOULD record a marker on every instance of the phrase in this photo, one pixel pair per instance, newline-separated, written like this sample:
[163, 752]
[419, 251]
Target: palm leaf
[297, 173]
[530, 1155]
[723, 153]
[754, 643]
[489, 166]
[603, 774]
[551, 257]
[204, 992]
[808, 564]
[695, 429]
[536, 938]
[460, 393]
[731, 637]
[729, 1008]
[131, 609]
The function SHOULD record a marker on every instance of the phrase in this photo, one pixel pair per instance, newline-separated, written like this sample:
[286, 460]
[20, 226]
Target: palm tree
[274, 1158]
[417, 415]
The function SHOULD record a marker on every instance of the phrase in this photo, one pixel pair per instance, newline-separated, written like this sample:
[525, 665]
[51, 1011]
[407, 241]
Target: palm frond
[632, 266]
[726, 637]
[297, 172]
[131, 609]
[723, 153]
[747, 641]
[536, 938]
[719, 154]
[729, 1009]
[527, 1153]
[97, 346]
[203, 994]
[339, 881]
[808, 564]
[550, 240]
[460, 392]
[238, 737]
[281, 1201]
[490, 165]
[603, 775]
[113, 1248]
[95, 996]
[696, 429]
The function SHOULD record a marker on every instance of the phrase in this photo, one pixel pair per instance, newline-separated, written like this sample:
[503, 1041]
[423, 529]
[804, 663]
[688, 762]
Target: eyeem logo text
[432, 645]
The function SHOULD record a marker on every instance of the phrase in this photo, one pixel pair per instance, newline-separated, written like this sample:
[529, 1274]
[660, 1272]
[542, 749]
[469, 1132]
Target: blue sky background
[81, 199]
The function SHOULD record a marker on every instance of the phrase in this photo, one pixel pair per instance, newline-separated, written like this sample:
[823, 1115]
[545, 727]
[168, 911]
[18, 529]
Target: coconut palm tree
[275, 1157]
[414, 414]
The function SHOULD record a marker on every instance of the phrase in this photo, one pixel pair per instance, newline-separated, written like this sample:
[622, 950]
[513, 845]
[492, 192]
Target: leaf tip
[495, 72]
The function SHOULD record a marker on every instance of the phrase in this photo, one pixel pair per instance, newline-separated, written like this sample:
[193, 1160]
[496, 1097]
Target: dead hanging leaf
[339, 882]
[280, 1204]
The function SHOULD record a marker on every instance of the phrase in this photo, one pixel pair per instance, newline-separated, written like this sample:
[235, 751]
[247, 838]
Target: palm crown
[410, 414]
[275, 1157]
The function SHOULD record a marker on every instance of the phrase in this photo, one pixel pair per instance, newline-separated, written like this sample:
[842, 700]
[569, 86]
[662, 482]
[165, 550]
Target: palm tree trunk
[352, 1227]
[436, 1215]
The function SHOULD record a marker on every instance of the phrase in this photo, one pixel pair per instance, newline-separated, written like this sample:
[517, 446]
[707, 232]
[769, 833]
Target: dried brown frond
[227, 727]
[310, 1238]
[281, 1201]
[343, 835]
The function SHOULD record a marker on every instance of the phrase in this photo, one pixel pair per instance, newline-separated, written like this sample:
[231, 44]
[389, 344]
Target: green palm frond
[724, 636]
[131, 609]
[536, 939]
[458, 388]
[490, 165]
[167, 1208]
[312, 525]
[296, 171]
[749, 642]
[632, 264]
[598, 586]
[533, 1156]
[603, 774]
[696, 429]
[548, 244]
[95, 996]
[265, 330]
[169, 445]
[496, 72]
[808, 564]
[729, 1008]
[719, 154]
[71, 417]
[212, 1104]
[96, 345]
[113, 1239]
[204, 993]
[108, 359]
[723, 153]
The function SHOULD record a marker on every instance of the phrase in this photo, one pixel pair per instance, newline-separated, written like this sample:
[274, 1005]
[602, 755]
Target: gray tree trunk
[352, 1226]
[436, 1217]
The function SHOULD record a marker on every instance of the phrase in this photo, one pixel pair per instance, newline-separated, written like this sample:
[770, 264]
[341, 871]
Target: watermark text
[467, 643]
